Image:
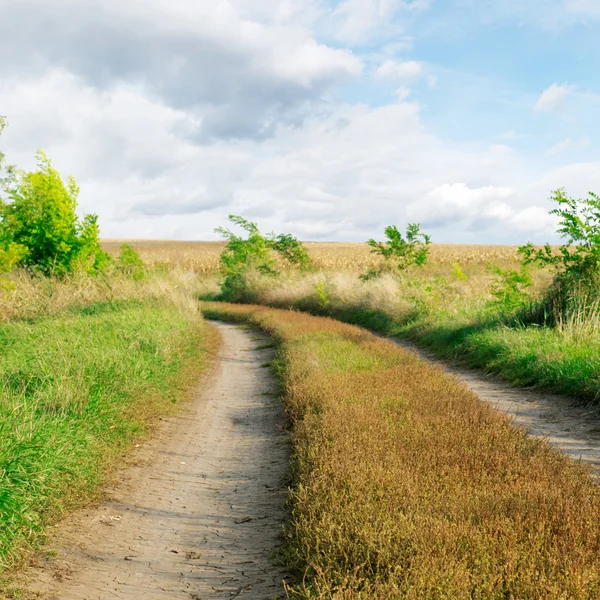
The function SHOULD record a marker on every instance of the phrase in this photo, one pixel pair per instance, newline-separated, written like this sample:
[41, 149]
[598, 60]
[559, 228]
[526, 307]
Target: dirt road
[565, 423]
[198, 515]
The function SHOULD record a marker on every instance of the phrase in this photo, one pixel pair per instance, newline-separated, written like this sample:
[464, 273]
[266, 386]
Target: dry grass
[408, 486]
[203, 257]
[23, 296]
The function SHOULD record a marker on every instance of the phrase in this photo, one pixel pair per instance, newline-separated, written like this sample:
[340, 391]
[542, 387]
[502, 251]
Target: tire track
[198, 516]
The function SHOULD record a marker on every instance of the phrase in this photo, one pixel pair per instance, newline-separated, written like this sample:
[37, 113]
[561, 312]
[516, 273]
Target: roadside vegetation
[534, 317]
[93, 347]
[406, 485]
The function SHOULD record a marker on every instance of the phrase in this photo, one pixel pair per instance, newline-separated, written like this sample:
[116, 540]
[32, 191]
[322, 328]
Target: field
[203, 257]
[87, 367]
[403, 484]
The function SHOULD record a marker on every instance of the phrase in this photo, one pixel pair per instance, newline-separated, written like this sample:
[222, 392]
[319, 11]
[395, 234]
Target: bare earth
[198, 515]
[564, 422]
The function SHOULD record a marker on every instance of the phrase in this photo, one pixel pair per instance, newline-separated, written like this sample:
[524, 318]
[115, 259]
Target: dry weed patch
[408, 486]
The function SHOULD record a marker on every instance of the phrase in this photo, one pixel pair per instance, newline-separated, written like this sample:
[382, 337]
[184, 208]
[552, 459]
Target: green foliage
[39, 227]
[291, 250]
[580, 225]
[403, 252]
[7, 172]
[458, 273]
[254, 252]
[510, 289]
[322, 288]
[130, 263]
[576, 264]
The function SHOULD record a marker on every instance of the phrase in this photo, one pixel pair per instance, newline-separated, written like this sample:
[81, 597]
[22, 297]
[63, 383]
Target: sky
[325, 119]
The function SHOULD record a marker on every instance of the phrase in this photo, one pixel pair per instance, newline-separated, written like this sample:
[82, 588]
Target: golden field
[203, 257]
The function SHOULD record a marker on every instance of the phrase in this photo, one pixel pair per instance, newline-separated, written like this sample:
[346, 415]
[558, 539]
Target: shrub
[402, 252]
[39, 227]
[130, 263]
[510, 289]
[576, 264]
[255, 252]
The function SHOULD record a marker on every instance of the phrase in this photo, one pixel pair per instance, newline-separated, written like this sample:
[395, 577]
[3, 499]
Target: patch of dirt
[198, 514]
[564, 422]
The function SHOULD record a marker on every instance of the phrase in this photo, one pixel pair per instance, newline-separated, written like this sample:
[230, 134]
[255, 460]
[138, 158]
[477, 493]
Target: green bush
[130, 263]
[510, 289]
[39, 227]
[255, 252]
[576, 264]
[400, 252]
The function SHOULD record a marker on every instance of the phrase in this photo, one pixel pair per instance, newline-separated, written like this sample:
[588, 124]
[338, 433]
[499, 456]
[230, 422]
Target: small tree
[576, 263]
[38, 223]
[403, 252]
[10, 253]
[254, 252]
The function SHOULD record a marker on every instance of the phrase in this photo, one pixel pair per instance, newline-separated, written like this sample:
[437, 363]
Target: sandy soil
[564, 422]
[198, 515]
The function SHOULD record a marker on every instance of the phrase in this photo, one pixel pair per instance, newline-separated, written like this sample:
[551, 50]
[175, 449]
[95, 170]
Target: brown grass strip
[409, 486]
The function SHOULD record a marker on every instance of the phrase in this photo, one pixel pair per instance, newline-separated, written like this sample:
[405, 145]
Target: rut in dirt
[566, 423]
[199, 516]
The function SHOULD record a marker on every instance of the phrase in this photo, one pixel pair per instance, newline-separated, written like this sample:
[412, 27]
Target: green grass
[76, 390]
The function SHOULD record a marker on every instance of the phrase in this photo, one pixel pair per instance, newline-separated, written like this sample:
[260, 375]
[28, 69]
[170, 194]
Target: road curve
[566, 423]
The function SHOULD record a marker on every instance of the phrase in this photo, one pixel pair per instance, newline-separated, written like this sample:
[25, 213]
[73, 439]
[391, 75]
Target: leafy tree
[580, 225]
[576, 264]
[10, 253]
[403, 252]
[38, 223]
[254, 252]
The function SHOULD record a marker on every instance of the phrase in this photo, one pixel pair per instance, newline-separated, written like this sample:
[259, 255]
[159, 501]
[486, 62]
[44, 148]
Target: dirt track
[198, 515]
[564, 422]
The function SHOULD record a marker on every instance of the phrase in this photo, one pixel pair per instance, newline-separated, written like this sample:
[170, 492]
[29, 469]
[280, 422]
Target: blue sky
[327, 119]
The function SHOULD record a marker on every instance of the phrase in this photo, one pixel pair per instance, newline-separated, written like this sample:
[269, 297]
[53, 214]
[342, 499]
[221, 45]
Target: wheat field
[203, 257]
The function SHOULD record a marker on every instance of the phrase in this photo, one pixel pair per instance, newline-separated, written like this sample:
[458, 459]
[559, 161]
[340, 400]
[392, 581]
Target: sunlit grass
[408, 486]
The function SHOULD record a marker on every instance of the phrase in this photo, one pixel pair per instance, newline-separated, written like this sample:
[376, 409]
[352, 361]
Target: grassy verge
[76, 390]
[563, 362]
[454, 319]
[408, 486]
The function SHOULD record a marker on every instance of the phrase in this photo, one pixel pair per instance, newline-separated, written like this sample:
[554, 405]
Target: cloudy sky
[329, 119]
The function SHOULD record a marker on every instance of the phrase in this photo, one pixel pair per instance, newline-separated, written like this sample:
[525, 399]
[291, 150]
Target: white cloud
[399, 71]
[173, 115]
[568, 144]
[584, 8]
[553, 98]
[457, 201]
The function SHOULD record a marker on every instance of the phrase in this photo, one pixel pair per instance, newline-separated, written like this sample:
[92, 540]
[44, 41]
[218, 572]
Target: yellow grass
[408, 486]
[203, 257]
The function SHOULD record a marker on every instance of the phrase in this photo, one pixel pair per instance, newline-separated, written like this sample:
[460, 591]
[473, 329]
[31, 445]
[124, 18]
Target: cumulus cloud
[553, 98]
[173, 115]
[455, 202]
[242, 77]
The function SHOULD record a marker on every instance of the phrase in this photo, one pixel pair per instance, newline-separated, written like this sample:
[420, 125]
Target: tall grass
[408, 486]
[77, 387]
[26, 296]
